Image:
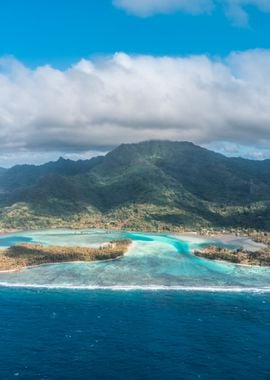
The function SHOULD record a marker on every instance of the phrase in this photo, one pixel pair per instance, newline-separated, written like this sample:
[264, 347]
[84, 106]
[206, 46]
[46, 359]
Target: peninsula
[237, 256]
[21, 256]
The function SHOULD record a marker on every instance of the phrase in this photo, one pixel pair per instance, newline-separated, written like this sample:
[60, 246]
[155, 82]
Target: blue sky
[62, 31]
[73, 75]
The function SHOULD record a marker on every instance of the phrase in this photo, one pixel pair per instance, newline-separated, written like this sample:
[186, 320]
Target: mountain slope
[154, 182]
[22, 176]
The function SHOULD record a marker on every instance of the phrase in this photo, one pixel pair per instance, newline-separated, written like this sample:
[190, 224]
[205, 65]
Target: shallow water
[188, 318]
[154, 261]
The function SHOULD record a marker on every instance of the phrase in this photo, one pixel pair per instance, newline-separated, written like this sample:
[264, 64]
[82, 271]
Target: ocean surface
[157, 313]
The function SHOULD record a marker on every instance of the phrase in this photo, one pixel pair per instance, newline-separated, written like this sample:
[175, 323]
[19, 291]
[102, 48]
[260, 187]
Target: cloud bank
[236, 10]
[97, 104]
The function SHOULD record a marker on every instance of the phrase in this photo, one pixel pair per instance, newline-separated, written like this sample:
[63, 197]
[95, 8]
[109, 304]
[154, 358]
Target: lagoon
[154, 262]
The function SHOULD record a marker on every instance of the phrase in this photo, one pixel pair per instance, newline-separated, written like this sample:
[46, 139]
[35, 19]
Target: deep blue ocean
[80, 334]
[159, 312]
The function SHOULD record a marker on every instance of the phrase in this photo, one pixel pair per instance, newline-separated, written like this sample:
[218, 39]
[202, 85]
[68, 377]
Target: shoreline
[27, 255]
[222, 236]
[131, 246]
[226, 262]
[62, 262]
[243, 243]
[236, 256]
[181, 230]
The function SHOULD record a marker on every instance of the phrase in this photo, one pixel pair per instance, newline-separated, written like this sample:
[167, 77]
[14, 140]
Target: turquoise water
[154, 261]
[157, 313]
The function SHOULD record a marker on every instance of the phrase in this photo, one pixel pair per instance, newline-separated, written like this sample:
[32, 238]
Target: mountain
[2, 171]
[23, 176]
[149, 184]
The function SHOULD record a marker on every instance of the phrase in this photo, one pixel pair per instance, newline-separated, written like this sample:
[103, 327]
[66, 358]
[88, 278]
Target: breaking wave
[211, 289]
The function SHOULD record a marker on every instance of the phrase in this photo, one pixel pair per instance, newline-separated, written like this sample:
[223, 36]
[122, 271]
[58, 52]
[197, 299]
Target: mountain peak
[185, 183]
[154, 149]
[62, 159]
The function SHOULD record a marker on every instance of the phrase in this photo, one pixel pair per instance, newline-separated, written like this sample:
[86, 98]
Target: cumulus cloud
[97, 104]
[236, 10]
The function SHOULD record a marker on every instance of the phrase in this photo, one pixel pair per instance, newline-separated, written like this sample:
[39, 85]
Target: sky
[77, 78]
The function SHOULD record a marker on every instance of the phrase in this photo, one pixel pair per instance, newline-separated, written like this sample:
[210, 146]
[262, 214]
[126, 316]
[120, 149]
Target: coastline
[104, 226]
[97, 276]
[223, 234]
[240, 256]
[227, 262]
[53, 263]
[27, 255]
[243, 242]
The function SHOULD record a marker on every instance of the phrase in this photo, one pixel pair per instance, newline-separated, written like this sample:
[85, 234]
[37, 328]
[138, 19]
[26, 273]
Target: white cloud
[231, 149]
[99, 104]
[149, 7]
[236, 10]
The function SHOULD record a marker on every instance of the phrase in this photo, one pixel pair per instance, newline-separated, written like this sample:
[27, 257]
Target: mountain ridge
[185, 184]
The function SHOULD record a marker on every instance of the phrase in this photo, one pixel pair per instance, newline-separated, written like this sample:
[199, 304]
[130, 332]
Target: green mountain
[23, 176]
[154, 184]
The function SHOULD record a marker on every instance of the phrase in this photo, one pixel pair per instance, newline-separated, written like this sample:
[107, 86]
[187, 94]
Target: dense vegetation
[150, 185]
[237, 256]
[25, 255]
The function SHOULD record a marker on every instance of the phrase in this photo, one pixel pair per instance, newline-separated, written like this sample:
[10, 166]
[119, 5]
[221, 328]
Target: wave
[209, 289]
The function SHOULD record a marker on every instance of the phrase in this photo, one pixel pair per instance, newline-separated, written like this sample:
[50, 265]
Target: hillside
[2, 171]
[23, 176]
[151, 184]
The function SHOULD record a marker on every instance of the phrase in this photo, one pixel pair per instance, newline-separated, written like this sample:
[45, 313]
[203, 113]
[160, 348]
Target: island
[25, 255]
[238, 256]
